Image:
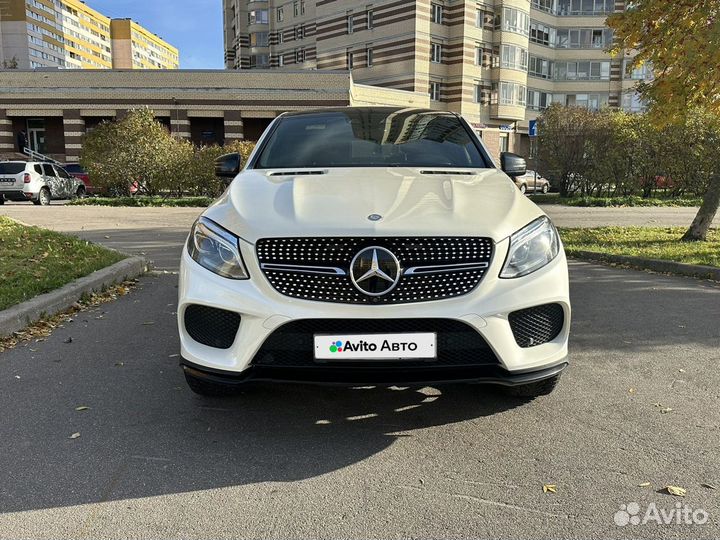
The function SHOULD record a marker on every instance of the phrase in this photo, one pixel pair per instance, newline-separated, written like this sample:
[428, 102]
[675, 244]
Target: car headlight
[216, 249]
[531, 248]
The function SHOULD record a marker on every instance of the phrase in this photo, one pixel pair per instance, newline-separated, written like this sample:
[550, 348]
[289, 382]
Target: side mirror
[228, 166]
[512, 164]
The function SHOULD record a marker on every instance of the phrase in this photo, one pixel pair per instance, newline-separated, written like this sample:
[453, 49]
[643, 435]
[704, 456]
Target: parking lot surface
[153, 460]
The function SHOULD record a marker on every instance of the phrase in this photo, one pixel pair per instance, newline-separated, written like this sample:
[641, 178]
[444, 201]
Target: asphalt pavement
[637, 411]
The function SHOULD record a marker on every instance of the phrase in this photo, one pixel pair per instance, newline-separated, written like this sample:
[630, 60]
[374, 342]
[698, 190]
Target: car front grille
[318, 268]
[292, 345]
[537, 325]
[211, 326]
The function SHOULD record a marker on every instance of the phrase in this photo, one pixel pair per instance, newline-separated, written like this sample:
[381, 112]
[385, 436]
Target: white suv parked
[373, 246]
[39, 182]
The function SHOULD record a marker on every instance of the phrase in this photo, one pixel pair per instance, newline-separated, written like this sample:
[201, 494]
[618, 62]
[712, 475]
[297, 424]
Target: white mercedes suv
[373, 246]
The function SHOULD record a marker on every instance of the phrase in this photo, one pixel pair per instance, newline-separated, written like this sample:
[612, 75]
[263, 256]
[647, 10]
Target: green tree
[681, 40]
[134, 150]
[564, 138]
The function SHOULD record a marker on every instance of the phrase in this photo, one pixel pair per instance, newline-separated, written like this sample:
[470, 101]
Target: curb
[17, 317]
[656, 265]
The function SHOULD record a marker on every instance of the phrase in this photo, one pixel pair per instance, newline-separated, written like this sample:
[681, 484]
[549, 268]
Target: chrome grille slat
[443, 267]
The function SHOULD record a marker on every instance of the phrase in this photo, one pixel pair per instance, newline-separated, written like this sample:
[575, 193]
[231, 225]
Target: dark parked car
[532, 181]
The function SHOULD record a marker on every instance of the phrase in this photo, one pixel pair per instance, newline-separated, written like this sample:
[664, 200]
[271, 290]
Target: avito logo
[364, 346]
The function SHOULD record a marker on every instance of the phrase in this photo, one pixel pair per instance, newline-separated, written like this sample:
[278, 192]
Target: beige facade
[69, 34]
[134, 47]
[497, 62]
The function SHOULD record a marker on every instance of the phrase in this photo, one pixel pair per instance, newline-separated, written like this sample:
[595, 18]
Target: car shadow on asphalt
[145, 434]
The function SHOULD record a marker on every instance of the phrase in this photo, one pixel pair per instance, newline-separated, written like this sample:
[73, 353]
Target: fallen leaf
[68, 340]
[148, 323]
[82, 408]
[681, 370]
[708, 486]
[119, 363]
[74, 436]
[677, 491]
[549, 488]
[644, 484]
[631, 391]
[657, 405]
[666, 410]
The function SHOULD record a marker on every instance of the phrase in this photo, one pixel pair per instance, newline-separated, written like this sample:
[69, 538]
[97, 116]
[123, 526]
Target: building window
[540, 67]
[632, 102]
[280, 15]
[582, 71]
[643, 72]
[258, 16]
[259, 39]
[542, 34]
[503, 142]
[259, 61]
[299, 32]
[434, 91]
[280, 37]
[302, 7]
[584, 7]
[537, 100]
[482, 94]
[296, 8]
[514, 57]
[436, 13]
[370, 21]
[281, 60]
[350, 23]
[300, 56]
[509, 93]
[544, 5]
[436, 53]
[583, 38]
[350, 59]
[369, 55]
[513, 20]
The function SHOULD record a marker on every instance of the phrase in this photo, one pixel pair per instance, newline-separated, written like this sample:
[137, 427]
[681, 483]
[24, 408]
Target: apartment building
[499, 63]
[135, 47]
[70, 34]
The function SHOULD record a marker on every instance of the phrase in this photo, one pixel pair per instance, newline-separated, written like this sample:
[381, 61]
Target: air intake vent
[446, 173]
[296, 173]
[211, 326]
[537, 325]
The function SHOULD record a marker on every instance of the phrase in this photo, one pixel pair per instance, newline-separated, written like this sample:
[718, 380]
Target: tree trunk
[711, 201]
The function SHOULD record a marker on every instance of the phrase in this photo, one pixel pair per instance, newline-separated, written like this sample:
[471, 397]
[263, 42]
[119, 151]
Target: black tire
[533, 390]
[43, 197]
[81, 192]
[2, 200]
[207, 388]
[523, 189]
[545, 188]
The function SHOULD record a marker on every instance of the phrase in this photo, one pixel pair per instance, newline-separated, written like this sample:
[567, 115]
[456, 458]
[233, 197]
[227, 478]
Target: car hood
[338, 202]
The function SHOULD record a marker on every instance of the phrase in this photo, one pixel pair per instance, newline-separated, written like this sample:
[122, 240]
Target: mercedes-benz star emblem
[375, 271]
[374, 217]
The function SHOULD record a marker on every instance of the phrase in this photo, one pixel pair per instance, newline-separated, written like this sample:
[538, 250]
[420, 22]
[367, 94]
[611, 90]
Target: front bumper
[485, 309]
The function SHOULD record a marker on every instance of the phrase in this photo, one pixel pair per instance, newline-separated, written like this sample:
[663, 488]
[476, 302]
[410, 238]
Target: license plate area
[364, 347]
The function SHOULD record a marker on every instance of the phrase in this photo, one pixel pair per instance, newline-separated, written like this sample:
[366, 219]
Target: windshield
[11, 168]
[370, 138]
